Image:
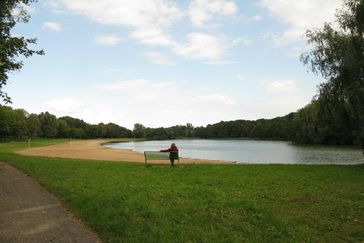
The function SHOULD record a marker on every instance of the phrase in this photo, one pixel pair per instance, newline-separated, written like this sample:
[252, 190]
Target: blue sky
[165, 63]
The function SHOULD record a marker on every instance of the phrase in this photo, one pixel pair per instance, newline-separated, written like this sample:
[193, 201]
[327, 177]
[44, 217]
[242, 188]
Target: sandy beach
[93, 150]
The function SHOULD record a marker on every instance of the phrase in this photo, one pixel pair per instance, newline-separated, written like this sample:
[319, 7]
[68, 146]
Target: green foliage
[128, 202]
[139, 131]
[15, 124]
[11, 47]
[77, 128]
[7, 122]
[277, 128]
[305, 125]
[309, 125]
[338, 55]
[100, 130]
[115, 131]
[189, 129]
[21, 123]
[48, 123]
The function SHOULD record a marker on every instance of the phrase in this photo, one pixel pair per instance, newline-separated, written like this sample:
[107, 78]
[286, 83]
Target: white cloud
[152, 36]
[158, 58]
[108, 40]
[27, 8]
[202, 46]
[169, 103]
[147, 18]
[280, 105]
[156, 104]
[280, 86]
[137, 13]
[52, 26]
[143, 90]
[246, 41]
[126, 87]
[151, 23]
[300, 15]
[202, 11]
[218, 98]
[257, 17]
[68, 105]
[18, 10]
[220, 62]
[284, 97]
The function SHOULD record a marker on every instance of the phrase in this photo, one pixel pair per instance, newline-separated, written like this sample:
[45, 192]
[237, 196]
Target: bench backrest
[173, 155]
[157, 155]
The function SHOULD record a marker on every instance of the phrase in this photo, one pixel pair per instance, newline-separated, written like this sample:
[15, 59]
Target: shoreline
[94, 150]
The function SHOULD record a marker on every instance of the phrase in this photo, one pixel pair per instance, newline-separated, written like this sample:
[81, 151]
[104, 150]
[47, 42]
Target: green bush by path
[128, 202]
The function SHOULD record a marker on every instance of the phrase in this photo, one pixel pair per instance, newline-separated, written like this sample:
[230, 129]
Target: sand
[93, 150]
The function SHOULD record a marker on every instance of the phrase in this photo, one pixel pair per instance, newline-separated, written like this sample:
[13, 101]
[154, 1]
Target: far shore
[94, 150]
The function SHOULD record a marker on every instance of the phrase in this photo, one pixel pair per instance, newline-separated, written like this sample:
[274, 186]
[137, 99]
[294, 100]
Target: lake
[252, 151]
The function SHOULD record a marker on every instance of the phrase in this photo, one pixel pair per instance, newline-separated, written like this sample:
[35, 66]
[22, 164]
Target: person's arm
[166, 150]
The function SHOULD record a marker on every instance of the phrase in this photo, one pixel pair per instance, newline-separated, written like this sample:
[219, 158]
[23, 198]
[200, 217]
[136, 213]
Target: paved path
[28, 213]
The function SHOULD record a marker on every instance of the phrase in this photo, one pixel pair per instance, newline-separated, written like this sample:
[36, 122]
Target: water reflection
[251, 151]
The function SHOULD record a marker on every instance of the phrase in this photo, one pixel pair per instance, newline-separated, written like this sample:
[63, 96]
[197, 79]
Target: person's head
[173, 145]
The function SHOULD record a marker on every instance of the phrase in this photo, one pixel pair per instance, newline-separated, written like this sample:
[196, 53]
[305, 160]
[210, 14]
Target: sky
[163, 63]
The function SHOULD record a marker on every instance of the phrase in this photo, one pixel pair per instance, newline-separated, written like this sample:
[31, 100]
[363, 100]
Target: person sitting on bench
[172, 153]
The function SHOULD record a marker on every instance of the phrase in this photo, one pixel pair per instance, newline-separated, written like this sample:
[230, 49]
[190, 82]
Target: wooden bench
[156, 155]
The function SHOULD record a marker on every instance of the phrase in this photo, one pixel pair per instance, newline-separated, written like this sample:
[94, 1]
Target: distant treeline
[316, 123]
[17, 124]
[309, 125]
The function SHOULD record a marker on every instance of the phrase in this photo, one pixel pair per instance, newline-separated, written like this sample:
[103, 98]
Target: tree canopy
[11, 47]
[338, 55]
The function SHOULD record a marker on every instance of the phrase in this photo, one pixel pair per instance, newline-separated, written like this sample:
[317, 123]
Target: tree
[80, 133]
[11, 47]
[259, 131]
[34, 126]
[139, 131]
[189, 128]
[338, 55]
[49, 124]
[305, 124]
[21, 123]
[115, 131]
[7, 122]
[63, 130]
[100, 130]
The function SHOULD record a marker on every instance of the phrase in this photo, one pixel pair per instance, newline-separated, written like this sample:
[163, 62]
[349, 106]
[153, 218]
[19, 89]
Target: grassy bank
[128, 202]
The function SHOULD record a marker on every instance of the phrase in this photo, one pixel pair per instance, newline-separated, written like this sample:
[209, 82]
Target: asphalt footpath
[28, 213]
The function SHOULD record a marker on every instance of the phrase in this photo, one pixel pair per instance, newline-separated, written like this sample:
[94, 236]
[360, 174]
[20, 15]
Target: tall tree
[34, 126]
[139, 130]
[11, 47]
[189, 129]
[63, 130]
[21, 123]
[7, 122]
[49, 124]
[100, 130]
[305, 125]
[338, 55]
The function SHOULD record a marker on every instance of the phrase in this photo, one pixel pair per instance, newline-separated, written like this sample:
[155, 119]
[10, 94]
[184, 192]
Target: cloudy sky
[166, 63]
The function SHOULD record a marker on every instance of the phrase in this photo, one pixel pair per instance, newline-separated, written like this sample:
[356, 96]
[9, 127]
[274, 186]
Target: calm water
[254, 152]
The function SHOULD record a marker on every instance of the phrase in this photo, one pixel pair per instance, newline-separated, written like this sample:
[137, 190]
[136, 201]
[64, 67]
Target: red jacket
[170, 149]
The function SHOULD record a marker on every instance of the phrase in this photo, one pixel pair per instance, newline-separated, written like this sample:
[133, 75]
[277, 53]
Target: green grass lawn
[128, 202]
